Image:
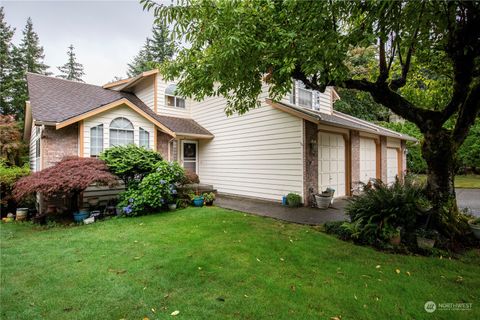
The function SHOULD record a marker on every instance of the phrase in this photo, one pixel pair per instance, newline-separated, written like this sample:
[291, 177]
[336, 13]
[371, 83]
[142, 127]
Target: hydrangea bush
[154, 191]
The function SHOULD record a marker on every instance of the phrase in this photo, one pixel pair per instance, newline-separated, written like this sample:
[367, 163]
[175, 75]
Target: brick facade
[57, 144]
[383, 157]
[310, 167]
[163, 140]
[355, 157]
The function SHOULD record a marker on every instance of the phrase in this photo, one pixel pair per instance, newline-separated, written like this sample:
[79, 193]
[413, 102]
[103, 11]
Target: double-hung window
[96, 140]
[144, 138]
[171, 99]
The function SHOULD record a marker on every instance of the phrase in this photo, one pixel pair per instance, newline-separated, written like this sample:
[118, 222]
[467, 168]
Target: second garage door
[368, 159]
[331, 162]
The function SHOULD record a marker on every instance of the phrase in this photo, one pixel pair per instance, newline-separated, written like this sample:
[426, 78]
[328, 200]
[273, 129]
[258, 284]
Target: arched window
[121, 132]
[171, 99]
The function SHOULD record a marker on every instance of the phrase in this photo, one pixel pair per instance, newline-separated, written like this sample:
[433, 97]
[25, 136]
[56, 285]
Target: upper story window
[96, 140]
[305, 96]
[171, 100]
[144, 138]
[121, 132]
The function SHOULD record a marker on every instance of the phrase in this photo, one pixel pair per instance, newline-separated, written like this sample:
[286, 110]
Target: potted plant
[209, 198]
[198, 201]
[475, 227]
[294, 200]
[172, 206]
[426, 238]
[81, 215]
[393, 235]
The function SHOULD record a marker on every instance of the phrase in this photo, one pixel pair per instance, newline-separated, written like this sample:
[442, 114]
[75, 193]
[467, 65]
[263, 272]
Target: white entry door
[392, 164]
[368, 159]
[331, 162]
[190, 155]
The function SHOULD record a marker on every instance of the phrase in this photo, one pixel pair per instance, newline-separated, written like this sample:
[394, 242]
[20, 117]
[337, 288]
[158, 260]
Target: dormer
[312, 99]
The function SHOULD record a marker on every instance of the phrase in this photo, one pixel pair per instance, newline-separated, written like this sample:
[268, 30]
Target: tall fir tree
[27, 57]
[155, 51]
[72, 70]
[6, 34]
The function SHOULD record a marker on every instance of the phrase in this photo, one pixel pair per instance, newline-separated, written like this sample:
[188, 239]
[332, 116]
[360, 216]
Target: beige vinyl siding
[393, 143]
[106, 118]
[325, 100]
[145, 92]
[162, 107]
[258, 154]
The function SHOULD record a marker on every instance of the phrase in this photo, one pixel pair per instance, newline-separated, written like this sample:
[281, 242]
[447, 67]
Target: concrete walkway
[302, 215]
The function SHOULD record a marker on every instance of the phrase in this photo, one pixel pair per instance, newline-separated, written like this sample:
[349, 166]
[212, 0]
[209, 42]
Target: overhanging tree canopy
[233, 45]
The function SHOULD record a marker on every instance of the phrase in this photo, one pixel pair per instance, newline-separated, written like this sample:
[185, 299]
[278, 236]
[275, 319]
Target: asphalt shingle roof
[56, 100]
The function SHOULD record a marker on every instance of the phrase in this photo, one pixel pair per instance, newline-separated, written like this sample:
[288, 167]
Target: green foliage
[469, 152]
[72, 70]
[156, 50]
[294, 200]
[209, 196]
[415, 161]
[131, 163]
[338, 229]
[10, 175]
[6, 34]
[154, 191]
[361, 105]
[381, 209]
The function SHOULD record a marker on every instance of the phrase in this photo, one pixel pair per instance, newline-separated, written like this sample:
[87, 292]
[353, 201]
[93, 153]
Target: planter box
[476, 230]
[323, 202]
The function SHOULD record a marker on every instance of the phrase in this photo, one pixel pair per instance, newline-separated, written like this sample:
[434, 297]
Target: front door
[190, 155]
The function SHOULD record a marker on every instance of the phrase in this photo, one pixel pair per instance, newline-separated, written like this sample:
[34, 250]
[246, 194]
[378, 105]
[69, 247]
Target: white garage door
[368, 159]
[331, 162]
[392, 164]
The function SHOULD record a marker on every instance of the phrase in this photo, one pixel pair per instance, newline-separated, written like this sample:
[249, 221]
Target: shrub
[131, 163]
[338, 228]
[154, 191]
[294, 200]
[69, 177]
[190, 177]
[380, 210]
[8, 177]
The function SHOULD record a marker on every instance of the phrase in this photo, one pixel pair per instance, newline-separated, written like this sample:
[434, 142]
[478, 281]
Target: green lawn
[212, 263]
[470, 181]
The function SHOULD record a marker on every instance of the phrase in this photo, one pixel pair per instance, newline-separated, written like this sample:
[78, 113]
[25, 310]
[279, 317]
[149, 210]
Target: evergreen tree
[72, 70]
[155, 51]
[6, 34]
[32, 50]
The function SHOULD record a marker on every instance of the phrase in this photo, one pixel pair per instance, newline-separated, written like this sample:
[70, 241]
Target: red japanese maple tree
[69, 177]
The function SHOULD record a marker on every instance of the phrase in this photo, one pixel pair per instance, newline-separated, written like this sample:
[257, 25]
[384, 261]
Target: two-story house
[299, 144]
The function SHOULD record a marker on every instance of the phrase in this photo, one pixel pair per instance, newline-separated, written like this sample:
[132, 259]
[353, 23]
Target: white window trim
[102, 139]
[140, 138]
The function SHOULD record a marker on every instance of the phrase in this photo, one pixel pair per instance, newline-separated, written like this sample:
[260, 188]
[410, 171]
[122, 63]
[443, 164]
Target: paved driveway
[469, 198]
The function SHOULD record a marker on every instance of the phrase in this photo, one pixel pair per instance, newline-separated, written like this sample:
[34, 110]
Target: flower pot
[425, 243]
[89, 220]
[323, 202]
[198, 202]
[80, 215]
[395, 240]
[475, 229]
[209, 203]
[21, 214]
[172, 206]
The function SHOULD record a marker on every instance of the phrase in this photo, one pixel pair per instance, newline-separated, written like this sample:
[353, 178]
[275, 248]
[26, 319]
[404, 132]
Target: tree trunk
[439, 152]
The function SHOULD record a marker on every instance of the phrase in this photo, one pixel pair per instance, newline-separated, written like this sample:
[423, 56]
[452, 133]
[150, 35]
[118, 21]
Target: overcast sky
[106, 34]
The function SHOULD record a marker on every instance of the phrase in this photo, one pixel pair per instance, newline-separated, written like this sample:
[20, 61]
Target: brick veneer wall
[57, 144]
[310, 166]
[162, 143]
[355, 157]
[383, 162]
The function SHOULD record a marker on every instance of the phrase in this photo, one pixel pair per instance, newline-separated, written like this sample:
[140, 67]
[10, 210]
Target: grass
[470, 181]
[212, 263]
